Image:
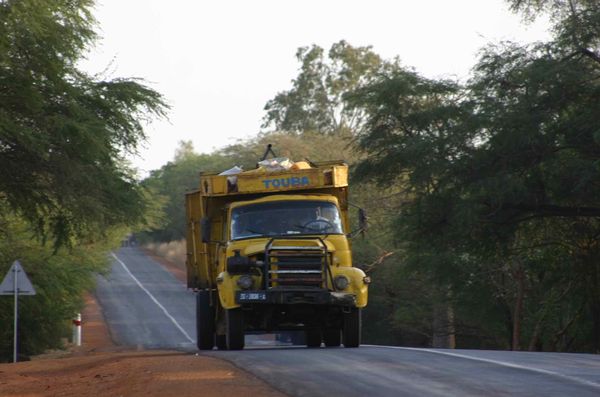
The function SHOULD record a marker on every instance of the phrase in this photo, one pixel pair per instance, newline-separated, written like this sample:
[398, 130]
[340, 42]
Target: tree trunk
[533, 343]
[444, 332]
[595, 307]
[518, 308]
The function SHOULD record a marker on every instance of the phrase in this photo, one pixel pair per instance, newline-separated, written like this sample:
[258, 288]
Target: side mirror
[363, 224]
[205, 229]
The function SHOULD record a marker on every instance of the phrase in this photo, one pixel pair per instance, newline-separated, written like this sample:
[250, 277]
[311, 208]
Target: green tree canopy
[502, 175]
[59, 277]
[63, 134]
[169, 183]
[315, 102]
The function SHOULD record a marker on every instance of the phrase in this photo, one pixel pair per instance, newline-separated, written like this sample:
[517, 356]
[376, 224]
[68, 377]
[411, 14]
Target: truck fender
[226, 286]
[357, 284]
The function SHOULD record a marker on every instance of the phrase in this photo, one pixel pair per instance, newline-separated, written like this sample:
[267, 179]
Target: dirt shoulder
[100, 367]
[148, 373]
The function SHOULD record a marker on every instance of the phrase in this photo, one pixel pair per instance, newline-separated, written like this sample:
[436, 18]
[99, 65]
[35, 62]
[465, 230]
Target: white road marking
[154, 299]
[497, 362]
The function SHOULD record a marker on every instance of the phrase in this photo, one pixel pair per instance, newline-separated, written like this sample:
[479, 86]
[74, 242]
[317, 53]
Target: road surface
[146, 306]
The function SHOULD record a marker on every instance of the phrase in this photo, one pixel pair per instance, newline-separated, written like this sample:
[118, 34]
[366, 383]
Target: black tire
[234, 324]
[205, 321]
[221, 342]
[351, 332]
[313, 337]
[332, 337]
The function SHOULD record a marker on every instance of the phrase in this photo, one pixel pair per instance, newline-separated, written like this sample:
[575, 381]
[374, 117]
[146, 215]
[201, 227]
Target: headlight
[245, 282]
[341, 282]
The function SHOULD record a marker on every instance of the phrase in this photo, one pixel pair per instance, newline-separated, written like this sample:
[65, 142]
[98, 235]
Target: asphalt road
[146, 306]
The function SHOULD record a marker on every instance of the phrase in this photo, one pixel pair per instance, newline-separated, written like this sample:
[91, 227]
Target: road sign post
[16, 314]
[16, 283]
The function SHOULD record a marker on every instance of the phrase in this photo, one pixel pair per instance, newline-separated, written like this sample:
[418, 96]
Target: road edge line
[154, 299]
[497, 362]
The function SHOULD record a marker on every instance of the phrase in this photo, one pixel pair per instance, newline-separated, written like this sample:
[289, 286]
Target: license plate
[252, 296]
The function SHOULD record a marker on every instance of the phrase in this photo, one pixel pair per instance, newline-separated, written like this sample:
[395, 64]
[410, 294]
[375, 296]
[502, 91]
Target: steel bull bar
[296, 274]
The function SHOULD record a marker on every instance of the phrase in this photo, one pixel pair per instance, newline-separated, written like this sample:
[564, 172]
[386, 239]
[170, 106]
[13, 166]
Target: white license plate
[252, 296]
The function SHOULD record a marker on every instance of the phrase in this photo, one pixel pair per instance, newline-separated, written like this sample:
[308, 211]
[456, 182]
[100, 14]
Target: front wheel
[313, 337]
[205, 321]
[352, 328]
[332, 337]
[234, 333]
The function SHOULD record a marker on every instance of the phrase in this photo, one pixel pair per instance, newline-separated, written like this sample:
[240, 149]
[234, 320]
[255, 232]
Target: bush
[59, 277]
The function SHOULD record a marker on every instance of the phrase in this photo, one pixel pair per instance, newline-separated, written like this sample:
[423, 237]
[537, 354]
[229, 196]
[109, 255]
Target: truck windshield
[285, 218]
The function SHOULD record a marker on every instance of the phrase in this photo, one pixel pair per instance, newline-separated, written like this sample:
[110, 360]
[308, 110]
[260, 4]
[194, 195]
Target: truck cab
[270, 252]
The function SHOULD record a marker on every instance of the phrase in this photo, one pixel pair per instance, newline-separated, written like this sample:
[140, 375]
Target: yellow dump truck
[270, 252]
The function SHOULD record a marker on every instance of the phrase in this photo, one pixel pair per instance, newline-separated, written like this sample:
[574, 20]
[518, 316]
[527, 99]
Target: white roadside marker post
[77, 330]
[16, 283]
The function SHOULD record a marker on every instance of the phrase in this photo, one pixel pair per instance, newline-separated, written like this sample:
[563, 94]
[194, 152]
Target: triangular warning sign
[23, 286]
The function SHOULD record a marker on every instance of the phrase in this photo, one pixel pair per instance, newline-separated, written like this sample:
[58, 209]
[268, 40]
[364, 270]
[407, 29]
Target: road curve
[145, 305]
[390, 371]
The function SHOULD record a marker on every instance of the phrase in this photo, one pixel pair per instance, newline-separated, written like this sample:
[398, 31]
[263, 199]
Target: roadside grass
[173, 251]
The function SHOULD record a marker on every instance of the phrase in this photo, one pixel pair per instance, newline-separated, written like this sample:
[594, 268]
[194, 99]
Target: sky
[218, 62]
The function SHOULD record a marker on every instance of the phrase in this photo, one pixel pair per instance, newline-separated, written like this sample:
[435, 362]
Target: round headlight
[245, 282]
[341, 282]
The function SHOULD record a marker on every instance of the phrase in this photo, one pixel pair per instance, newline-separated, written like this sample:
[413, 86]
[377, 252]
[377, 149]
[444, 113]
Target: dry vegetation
[173, 251]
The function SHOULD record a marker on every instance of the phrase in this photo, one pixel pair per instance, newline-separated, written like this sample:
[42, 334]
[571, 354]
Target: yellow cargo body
[270, 252]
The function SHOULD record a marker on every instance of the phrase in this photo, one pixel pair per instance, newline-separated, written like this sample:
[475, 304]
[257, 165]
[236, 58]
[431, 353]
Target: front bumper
[295, 297]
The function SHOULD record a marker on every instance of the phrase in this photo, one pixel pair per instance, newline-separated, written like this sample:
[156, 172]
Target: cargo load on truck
[268, 251]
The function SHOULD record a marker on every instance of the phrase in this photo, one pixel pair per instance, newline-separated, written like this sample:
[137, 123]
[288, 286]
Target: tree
[59, 278]
[169, 184]
[63, 133]
[501, 176]
[315, 102]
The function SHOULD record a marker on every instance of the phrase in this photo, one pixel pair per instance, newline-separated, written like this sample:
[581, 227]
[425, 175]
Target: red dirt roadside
[101, 368]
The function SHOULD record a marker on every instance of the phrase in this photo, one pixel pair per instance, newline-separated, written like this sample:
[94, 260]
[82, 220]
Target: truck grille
[292, 266]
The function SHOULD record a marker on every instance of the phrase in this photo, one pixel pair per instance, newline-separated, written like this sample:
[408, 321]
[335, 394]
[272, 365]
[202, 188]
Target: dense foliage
[63, 136]
[63, 133]
[316, 100]
[501, 179]
[59, 279]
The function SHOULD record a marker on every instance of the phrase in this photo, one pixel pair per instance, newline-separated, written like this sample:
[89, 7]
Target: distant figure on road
[129, 241]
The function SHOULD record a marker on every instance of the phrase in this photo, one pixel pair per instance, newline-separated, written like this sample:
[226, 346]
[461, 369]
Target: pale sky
[218, 62]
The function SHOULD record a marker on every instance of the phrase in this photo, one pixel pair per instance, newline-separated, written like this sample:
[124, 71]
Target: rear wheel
[221, 342]
[313, 337]
[205, 321]
[332, 337]
[352, 328]
[234, 323]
